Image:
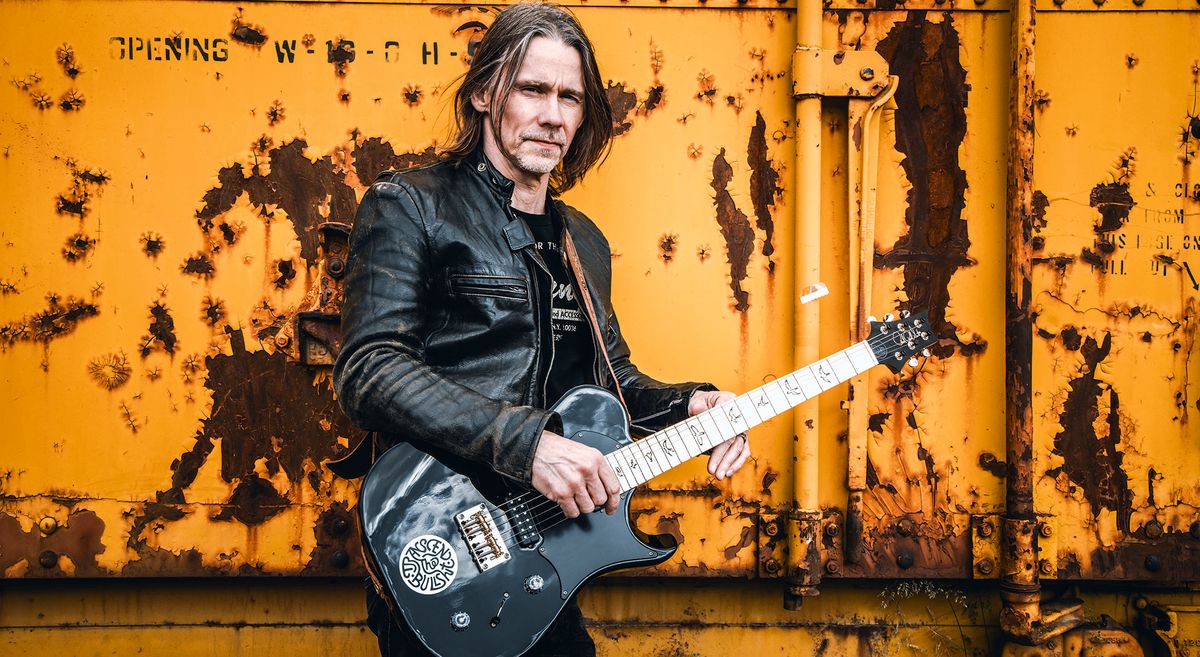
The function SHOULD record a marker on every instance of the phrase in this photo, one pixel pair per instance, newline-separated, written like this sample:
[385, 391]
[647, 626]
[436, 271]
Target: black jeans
[566, 638]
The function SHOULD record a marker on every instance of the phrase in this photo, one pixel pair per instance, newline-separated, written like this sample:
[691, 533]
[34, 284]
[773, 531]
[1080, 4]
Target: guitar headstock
[894, 341]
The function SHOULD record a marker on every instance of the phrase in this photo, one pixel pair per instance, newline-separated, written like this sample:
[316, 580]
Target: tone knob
[534, 584]
[460, 620]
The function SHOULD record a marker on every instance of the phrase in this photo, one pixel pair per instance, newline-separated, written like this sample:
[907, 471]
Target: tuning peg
[912, 362]
[925, 353]
[871, 319]
[889, 317]
[904, 314]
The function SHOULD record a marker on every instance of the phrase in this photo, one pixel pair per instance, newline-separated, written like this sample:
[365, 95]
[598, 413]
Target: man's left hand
[729, 456]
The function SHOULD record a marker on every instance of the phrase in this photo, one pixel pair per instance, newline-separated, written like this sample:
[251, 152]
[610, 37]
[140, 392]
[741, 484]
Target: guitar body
[467, 588]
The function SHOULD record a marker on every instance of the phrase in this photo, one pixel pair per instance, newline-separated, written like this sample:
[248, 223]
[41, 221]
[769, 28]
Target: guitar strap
[573, 257]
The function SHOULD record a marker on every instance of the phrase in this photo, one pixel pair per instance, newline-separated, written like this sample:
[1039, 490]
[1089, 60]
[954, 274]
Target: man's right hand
[575, 476]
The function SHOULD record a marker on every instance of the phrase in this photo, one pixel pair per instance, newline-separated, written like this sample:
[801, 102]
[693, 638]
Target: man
[462, 318]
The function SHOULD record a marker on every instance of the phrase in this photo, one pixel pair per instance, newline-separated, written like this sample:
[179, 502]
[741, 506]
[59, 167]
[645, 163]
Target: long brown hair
[494, 69]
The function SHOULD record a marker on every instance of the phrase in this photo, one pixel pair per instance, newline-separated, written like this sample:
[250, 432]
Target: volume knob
[534, 584]
[460, 620]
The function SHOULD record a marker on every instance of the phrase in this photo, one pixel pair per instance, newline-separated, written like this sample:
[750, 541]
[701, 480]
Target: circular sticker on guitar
[428, 564]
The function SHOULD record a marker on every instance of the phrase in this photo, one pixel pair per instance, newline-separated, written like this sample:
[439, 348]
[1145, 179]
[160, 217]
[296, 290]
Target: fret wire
[618, 469]
[668, 447]
[842, 360]
[749, 410]
[656, 449]
[635, 472]
[792, 391]
[650, 458]
[711, 430]
[731, 408]
[724, 426]
[774, 393]
[693, 435]
[762, 403]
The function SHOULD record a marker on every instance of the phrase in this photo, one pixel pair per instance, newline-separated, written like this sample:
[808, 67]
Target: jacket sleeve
[381, 378]
[652, 404]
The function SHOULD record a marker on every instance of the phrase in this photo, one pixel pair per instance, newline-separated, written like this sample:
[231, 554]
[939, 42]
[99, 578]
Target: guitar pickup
[478, 528]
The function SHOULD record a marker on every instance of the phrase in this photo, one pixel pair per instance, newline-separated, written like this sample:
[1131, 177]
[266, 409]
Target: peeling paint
[152, 244]
[287, 272]
[930, 128]
[1114, 202]
[764, 185]
[161, 334]
[1091, 458]
[77, 247]
[373, 156]
[245, 33]
[622, 102]
[735, 228]
[109, 371]
[56, 321]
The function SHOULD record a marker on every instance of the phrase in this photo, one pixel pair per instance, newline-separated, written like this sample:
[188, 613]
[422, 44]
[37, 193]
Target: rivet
[833, 567]
[1099, 3]
[904, 560]
[282, 340]
[1045, 567]
[906, 527]
[987, 566]
[340, 526]
[335, 267]
[48, 559]
[1045, 530]
[1154, 563]
[48, 525]
[867, 73]
[481, 168]
[1139, 2]
[1153, 529]
[832, 530]
[986, 529]
[1059, 3]
[341, 559]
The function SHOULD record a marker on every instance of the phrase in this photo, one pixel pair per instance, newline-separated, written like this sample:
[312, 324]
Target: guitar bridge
[483, 538]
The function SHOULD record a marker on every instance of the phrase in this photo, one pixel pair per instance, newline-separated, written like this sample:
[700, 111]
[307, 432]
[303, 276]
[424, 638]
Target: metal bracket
[320, 337]
[985, 547]
[838, 73]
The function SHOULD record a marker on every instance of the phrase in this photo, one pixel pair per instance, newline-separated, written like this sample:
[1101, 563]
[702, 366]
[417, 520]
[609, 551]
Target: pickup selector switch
[534, 584]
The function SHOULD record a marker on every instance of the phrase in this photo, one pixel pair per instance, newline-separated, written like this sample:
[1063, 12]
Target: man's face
[544, 110]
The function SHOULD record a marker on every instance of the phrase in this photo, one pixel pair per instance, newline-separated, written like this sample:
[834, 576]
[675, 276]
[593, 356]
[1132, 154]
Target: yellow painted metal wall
[166, 284]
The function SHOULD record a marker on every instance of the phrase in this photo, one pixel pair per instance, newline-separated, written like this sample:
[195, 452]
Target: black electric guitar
[473, 568]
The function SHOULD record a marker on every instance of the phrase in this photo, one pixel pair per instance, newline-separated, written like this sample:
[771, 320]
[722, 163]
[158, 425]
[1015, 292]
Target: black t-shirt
[566, 330]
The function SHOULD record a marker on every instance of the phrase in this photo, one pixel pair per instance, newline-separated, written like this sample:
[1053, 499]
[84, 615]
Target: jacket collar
[490, 175]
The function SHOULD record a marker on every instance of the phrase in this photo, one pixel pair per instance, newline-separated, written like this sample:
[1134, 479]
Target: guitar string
[538, 512]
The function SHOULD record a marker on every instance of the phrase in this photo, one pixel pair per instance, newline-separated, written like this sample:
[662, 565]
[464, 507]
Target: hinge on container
[838, 73]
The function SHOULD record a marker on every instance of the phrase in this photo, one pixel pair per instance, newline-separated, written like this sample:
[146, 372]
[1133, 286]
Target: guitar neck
[653, 455]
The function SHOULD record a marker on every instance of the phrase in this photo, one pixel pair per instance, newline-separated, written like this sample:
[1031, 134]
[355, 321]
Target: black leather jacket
[442, 322]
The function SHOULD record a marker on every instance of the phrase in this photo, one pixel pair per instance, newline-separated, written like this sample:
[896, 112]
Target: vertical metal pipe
[1019, 585]
[804, 521]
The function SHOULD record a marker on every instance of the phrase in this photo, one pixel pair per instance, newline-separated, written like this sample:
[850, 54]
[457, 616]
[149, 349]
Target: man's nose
[551, 111]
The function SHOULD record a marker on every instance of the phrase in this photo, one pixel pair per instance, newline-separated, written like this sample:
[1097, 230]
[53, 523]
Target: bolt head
[772, 566]
[282, 340]
[987, 566]
[335, 267]
[832, 530]
[986, 529]
[833, 567]
[341, 559]
[904, 560]
[340, 526]
[1045, 567]
[867, 73]
[48, 559]
[48, 525]
[1045, 530]
[1153, 529]
[771, 528]
[1154, 563]
[906, 527]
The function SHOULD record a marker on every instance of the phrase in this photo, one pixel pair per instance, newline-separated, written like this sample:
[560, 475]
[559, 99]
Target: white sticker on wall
[428, 564]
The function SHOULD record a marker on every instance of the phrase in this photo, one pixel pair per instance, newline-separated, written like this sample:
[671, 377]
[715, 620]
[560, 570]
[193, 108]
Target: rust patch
[67, 60]
[654, 97]
[337, 541]
[71, 101]
[708, 87]
[56, 321]
[77, 247]
[110, 371]
[297, 185]
[876, 420]
[161, 332]
[287, 272]
[1092, 258]
[744, 541]
[199, 265]
[412, 95]
[341, 54]
[1070, 338]
[930, 127]
[276, 113]
[735, 228]
[373, 156]
[245, 33]
[1091, 458]
[622, 102]
[78, 539]
[990, 463]
[666, 246]
[253, 501]
[768, 480]
[85, 182]
[764, 185]
[1114, 202]
[669, 524]
[1039, 205]
[152, 244]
